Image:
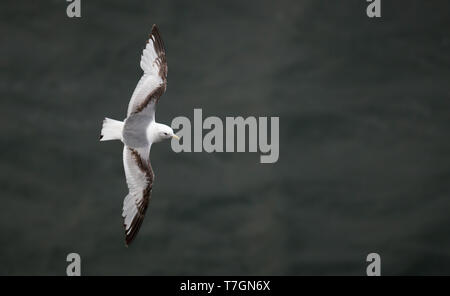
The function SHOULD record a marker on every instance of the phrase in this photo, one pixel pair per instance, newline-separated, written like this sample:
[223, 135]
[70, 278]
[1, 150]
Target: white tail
[111, 130]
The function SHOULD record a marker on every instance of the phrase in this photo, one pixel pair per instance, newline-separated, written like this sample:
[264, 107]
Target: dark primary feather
[161, 61]
[161, 52]
[136, 223]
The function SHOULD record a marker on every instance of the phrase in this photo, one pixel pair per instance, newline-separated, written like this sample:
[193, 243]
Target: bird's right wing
[153, 83]
[139, 175]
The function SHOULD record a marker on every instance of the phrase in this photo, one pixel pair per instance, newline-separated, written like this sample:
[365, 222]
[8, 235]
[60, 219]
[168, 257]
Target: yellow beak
[176, 137]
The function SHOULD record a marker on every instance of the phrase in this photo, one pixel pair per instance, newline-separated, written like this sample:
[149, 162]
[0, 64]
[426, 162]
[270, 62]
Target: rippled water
[364, 148]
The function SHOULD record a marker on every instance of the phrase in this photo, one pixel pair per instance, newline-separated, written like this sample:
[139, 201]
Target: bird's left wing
[139, 175]
[153, 83]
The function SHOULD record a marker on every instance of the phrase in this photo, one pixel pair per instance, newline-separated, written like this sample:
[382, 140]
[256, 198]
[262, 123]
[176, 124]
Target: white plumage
[139, 131]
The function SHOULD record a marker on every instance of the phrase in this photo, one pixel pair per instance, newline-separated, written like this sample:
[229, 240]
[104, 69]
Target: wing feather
[154, 81]
[139, 175]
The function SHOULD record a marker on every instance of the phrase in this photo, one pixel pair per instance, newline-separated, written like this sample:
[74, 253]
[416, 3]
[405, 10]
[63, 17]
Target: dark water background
[364, 137]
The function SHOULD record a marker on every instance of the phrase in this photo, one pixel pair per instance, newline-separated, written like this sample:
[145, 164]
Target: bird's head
[165, 132]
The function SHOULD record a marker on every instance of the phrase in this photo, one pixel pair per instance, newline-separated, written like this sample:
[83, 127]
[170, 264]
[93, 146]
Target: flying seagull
[139, 131]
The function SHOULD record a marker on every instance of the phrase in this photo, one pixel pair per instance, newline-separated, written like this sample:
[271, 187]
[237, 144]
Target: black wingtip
[155, 31]
[129, 239]
[101, 137]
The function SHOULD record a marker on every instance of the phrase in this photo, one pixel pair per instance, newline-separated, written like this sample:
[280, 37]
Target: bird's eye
[165, 134]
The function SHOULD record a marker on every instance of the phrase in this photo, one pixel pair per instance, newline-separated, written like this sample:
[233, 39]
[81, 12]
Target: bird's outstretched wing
[153, 83]
[139, 174]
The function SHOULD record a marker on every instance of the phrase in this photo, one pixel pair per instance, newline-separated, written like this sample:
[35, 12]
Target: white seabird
[139, 131]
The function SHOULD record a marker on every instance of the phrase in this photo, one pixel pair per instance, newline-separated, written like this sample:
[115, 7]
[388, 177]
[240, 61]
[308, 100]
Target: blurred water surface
[364, 148]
